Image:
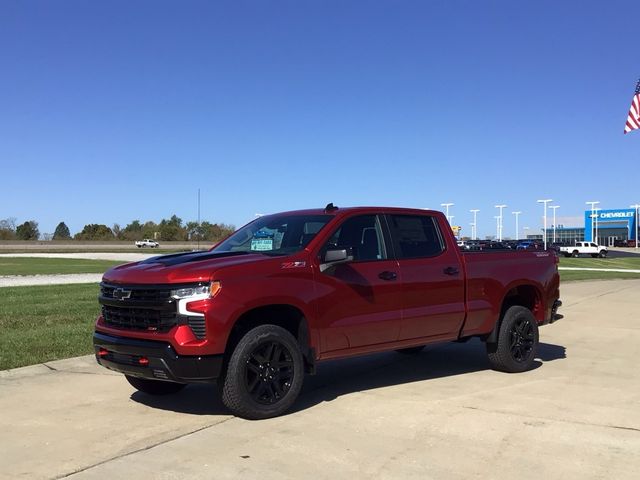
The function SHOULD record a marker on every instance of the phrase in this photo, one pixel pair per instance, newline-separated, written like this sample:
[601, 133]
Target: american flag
[633, 119]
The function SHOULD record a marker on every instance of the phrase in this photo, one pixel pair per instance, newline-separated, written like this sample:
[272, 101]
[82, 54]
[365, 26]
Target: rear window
[416, 236]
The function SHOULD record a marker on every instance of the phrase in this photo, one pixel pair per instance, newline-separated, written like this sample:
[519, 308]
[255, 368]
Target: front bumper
[154, 360]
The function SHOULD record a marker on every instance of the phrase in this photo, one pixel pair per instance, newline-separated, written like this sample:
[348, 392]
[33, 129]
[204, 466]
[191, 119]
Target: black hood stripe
[188, 257]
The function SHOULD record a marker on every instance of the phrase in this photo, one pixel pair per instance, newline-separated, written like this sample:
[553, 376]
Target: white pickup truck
[147, 242]
[585, 248]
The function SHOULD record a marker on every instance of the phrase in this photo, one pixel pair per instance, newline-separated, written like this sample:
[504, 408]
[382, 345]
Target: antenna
[330, 207]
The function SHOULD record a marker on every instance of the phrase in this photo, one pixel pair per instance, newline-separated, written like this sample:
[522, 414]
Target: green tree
[133, 231]
[28, 231]
[8, 229]
[95, 231]
[149, 230]
[207, 232]
[62, 232]
[117, 231]
[172, 229]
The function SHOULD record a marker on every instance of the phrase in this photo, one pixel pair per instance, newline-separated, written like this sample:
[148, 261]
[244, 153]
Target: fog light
[103, 352]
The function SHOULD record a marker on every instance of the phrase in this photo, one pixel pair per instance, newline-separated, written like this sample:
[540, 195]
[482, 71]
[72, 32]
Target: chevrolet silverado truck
[287, 291]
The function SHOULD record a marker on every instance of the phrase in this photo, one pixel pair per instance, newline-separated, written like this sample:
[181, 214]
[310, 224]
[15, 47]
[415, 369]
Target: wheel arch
[525, 295]
[287, 316]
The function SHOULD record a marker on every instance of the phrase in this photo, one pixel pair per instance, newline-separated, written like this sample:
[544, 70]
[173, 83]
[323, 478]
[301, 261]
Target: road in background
[438, 414]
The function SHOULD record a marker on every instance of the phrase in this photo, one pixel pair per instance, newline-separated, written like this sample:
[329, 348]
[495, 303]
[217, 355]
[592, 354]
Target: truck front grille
[138, 318]
[145, 308]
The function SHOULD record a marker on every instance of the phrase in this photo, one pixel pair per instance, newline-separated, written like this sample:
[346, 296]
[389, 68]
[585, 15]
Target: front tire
[603, 254]
[517, 342]
[154, 387]
[264, 375]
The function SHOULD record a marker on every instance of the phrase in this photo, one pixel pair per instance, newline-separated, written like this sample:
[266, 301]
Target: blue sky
[114, 111]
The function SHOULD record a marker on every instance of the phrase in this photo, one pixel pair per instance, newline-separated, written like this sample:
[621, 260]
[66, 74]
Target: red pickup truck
[286, 291]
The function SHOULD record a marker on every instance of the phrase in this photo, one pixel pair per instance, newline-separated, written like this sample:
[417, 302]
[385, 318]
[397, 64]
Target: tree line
[172, 229]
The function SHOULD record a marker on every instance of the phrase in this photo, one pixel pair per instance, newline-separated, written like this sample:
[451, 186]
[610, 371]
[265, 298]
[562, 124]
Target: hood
[179, 268]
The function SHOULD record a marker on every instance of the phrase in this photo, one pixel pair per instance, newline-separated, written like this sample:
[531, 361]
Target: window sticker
[261, 244]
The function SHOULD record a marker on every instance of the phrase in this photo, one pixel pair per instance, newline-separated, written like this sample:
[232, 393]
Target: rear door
[360, 302]
[432, 278]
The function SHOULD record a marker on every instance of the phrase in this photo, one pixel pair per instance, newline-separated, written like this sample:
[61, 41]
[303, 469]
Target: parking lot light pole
[636, 206]
[497, 217]
[473, 230]
[595, 219]
[447, 205]
[544, 231]
[517, 214]
[475, 223]
[501, 207]
[554, 207]
[593, 208]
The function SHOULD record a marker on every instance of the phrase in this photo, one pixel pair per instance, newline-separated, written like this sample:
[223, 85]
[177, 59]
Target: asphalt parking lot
[439, 414]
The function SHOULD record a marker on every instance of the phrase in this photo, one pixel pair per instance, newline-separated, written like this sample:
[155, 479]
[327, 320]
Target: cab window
[363, 235]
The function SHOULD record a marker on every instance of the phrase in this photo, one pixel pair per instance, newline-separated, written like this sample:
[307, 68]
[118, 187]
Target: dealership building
[607, 227]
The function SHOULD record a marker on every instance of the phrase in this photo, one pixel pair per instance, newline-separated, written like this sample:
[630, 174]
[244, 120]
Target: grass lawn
[39, 324]
[45, 266]
[574, 275]
[632, 263]
[588, 262]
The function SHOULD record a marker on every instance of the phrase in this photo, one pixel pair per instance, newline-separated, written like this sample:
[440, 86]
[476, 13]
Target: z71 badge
[293, 264]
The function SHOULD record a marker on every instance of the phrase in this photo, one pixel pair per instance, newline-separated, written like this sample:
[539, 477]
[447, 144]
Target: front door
[360, 302]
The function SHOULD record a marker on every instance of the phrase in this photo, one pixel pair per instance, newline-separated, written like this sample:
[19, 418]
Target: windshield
[275, 234]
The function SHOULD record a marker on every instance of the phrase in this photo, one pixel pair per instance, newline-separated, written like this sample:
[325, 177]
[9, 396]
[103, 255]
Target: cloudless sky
[120, 110]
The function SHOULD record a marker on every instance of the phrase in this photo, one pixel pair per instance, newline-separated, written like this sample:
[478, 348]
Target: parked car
[287, 291]
[147, 242]
[530, 245]
[585, 248]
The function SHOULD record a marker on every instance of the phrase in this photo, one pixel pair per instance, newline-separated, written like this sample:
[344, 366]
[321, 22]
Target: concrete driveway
[439, 414]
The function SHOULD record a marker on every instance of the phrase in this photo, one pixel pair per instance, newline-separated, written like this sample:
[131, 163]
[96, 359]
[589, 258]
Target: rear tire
[575, 254]
[410, 350]
[517, 343]
[264, 375]
[154, 387]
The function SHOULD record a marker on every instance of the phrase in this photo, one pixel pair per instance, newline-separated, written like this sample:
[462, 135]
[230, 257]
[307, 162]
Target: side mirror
[336, 257]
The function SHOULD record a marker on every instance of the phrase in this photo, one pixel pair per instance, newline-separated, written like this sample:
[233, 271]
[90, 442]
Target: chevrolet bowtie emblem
[121, 293]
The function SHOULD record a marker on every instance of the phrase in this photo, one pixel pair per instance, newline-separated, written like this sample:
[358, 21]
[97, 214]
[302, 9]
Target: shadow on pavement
[343, 377]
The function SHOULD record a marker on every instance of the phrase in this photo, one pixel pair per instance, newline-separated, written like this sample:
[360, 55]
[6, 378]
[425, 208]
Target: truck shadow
[342, 377]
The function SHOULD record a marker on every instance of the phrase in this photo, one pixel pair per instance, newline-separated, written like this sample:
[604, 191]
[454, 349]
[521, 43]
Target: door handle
[387, 275]
[451, 271]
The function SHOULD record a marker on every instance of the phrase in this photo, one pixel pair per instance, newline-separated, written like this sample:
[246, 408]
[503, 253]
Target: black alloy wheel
[515, 347]
[522, 339]
[269, 372]
[264, 375]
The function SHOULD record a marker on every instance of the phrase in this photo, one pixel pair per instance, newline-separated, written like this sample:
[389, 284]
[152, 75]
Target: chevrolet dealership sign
[615, 215]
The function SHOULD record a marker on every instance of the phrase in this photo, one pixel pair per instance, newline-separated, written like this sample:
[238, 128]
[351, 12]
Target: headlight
[190, 298]
[196, 290]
